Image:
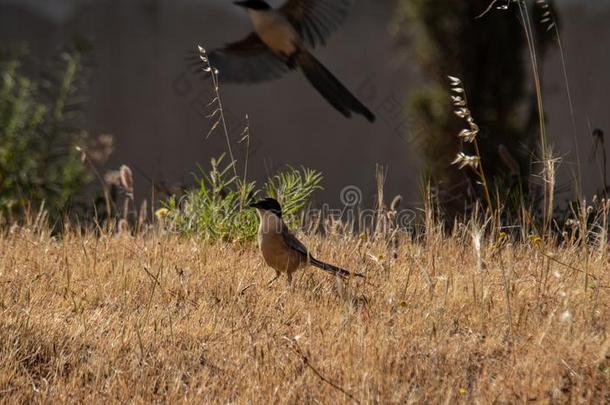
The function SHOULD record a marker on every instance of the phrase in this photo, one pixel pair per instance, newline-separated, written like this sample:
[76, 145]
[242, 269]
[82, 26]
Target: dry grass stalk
[549, 20]
[393, 218]
[217, 102]
[126, 178]
[459, 99]
[381, 228]
[142, 215]
[163, 318]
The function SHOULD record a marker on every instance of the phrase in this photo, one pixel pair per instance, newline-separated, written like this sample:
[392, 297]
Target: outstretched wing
[316, 20]
[247, 61]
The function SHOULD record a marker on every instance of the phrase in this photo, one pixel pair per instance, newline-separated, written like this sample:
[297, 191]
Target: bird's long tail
[330, 87]
[332, 269]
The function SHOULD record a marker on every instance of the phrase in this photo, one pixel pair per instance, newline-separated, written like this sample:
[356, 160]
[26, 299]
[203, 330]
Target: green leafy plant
[39, 161]
[218, 208]
[293, 188]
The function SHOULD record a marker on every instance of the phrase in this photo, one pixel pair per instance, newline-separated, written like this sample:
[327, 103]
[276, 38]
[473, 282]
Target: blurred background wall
[142, 95]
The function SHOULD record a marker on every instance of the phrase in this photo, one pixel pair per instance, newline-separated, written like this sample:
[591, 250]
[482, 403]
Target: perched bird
[279, 44]
[280, 248]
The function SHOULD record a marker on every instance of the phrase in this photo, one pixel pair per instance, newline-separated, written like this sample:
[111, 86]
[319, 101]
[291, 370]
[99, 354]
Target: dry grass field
[161, 318]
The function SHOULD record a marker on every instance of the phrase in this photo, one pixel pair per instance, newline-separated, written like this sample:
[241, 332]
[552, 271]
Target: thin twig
[169, 292]
[307, 362]
[573, 268]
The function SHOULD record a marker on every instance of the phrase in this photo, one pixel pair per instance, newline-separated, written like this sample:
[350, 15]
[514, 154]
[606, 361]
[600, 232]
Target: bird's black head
[268, 204]
[253, 4]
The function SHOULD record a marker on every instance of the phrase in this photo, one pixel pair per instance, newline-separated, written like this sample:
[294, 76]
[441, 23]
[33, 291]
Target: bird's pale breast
[273, 248]
[275, 31]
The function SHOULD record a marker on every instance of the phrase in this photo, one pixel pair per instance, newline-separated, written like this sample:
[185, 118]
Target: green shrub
[39, 162]
[218, 208]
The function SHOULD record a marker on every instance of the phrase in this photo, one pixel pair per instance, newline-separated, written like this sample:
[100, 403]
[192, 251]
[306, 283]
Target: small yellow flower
[536, 240]
[462, 391]
[502, 239]
[161, 213]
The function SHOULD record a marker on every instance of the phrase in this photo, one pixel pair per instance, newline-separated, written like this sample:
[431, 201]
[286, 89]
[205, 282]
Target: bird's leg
[290, 278]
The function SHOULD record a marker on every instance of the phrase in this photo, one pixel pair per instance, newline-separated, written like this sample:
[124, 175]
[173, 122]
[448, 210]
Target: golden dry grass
[161, 318]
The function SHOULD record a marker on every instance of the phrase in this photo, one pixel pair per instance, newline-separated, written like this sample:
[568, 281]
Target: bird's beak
[240, 3]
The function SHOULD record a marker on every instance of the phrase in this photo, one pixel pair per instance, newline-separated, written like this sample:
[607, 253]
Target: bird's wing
[247, 61]
[316, 20]
[292, 242]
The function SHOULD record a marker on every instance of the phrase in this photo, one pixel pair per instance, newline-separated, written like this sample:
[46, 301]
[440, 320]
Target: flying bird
[281, 250]
[280, 43]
